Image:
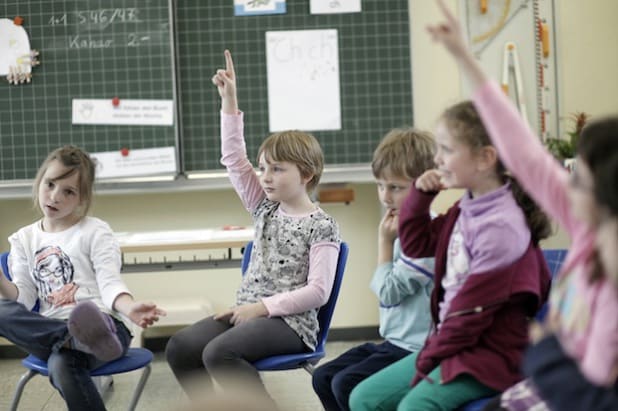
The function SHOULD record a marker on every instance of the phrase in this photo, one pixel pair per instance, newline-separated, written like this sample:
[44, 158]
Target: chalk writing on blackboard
[303, 80]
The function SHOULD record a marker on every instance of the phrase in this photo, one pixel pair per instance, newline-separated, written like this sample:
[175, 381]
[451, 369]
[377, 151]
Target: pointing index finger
[229, 64]
[447, 13]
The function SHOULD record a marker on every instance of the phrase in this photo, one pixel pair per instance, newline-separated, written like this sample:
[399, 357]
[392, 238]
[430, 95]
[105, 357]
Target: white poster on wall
[303, 80]
[139, 162]
[334, 6]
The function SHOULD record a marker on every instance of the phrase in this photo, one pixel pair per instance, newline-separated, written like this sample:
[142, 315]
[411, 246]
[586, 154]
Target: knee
[217, 354]
[175, 351]
[359, 400]
[7, 307]
[414, 401]
[321, 379]
[341, 386]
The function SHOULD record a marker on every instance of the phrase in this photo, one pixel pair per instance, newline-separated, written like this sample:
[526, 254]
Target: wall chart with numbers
[515, 42]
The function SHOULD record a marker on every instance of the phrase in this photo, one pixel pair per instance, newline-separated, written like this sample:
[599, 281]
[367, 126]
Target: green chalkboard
[165, 49]
[374, 64]
[88, 50]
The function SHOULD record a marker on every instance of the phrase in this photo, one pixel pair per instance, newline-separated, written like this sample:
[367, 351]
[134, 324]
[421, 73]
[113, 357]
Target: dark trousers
[69, 370]
[217, 350]
[334, 381]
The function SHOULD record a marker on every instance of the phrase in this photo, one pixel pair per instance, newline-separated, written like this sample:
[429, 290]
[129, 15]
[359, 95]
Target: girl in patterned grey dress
[292, 265]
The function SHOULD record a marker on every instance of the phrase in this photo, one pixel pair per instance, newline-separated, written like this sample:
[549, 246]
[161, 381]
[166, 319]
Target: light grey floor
[290, 389]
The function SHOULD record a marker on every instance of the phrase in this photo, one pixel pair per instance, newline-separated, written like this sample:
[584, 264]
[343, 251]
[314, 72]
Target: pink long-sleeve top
[587, 313]
[322, 255]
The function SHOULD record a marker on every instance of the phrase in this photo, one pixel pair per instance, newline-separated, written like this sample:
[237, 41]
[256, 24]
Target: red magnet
[18, 21]
[115, 102]
[124, 151]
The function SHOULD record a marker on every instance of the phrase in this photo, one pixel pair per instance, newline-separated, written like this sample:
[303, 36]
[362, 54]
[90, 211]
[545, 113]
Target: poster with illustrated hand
[16, 58]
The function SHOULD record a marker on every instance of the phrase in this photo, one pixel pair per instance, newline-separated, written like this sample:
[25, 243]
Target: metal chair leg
[140, 387]
[23, 380]
[309, 368]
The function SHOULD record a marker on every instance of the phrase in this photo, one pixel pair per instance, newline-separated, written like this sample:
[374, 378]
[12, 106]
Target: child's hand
[388, 227]
[449, 32]
[225, 80]
[429, 182]
[63, 296]
[242, 313]
[145, 314]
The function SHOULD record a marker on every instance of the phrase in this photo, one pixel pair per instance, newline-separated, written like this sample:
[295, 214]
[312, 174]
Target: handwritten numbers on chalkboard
[58, 20]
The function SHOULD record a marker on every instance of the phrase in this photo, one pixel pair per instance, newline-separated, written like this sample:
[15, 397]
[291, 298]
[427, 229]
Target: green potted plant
[565, 149]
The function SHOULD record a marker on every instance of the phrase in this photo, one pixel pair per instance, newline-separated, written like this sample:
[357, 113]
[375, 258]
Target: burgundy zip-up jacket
[485, 331]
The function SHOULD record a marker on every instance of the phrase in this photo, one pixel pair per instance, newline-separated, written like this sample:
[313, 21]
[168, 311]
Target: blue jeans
[69, 370]
[333, 382]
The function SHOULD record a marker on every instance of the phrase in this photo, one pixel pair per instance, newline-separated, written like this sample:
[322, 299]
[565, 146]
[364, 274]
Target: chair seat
[288, 361]
[476, 405]
[135, 358]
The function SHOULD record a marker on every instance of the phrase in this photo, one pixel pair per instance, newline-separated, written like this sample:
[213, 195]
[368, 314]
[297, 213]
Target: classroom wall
[588, 82]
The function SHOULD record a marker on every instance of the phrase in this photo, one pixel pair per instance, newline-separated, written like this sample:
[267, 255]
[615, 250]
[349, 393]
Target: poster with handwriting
[303, 80]
[258, 7]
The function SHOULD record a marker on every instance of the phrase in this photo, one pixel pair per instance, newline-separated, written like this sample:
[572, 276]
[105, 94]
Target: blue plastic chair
[136, 358]
[554, 259]
[325, 315]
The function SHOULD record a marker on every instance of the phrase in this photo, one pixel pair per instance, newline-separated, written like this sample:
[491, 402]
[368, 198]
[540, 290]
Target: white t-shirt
[85, 258]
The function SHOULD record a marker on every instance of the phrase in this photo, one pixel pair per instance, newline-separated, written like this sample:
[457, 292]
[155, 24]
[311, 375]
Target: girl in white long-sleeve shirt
[68, 264]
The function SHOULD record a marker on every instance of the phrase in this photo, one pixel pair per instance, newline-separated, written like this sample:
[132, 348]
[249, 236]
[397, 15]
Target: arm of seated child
[322, 266]
[141, 313]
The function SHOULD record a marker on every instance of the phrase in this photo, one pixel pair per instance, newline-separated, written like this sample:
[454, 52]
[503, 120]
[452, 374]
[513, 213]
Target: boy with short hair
[402, 285]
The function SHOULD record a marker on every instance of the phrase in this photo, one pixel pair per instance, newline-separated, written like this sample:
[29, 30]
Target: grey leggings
[215, 349]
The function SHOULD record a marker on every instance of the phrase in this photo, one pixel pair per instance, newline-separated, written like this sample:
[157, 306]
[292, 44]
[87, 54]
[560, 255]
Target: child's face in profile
[281, 180]
[392, 191]
[455, 160]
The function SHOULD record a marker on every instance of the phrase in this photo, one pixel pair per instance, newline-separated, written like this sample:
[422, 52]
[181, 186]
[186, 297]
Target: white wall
[588, 62]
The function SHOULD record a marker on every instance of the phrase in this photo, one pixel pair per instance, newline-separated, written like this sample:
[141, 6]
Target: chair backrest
[4, 261]
[325, 314]
[554, 259]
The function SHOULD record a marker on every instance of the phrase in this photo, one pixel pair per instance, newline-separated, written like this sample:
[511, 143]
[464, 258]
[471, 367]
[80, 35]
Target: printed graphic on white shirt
[54, 272]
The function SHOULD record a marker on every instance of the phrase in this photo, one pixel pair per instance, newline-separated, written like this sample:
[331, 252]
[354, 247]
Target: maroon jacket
[485, 331]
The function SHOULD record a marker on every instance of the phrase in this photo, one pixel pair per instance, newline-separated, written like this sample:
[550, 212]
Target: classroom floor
[290, 389]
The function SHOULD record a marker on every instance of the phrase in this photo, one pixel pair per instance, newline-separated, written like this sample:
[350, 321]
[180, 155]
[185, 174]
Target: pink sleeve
[523, 155]
[322, 266]
[234, 158]
[600, 362]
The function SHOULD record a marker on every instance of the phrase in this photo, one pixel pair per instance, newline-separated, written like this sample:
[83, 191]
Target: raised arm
[519, 148]
[233, 148]
[418, 232]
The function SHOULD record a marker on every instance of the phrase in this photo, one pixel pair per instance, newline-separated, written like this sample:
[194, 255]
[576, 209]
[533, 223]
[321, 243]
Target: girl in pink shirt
[583, 302]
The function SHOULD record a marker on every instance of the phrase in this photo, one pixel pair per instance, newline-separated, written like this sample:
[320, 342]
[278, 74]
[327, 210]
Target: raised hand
[225, 80]
[429, 181]
[450, 34]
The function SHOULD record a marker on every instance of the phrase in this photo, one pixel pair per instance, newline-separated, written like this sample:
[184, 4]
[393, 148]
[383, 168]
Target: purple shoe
[95, 331]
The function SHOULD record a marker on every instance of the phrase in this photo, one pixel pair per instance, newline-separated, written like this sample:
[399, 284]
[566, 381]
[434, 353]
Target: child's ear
[307, 179]
[487, 158]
